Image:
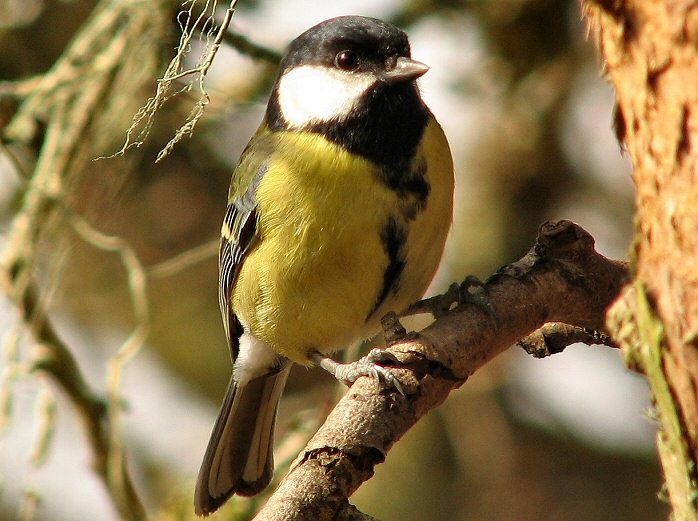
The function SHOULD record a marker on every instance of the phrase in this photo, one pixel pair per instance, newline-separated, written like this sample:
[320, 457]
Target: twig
[562, 279]
[74, 109]
[191, 24]
[19, 89]
[54, 358]
[117, 474]
[46, 416]
[251, 49]
[553, 338]
[185, 259]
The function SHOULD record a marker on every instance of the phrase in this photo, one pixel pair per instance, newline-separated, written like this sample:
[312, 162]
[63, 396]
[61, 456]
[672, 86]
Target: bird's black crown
[373, 40]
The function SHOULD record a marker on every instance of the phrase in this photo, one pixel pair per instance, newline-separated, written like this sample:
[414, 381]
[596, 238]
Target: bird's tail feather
[239, 455]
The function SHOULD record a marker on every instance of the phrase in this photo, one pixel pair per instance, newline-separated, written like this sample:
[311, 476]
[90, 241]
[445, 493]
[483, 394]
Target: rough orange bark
[650, 49]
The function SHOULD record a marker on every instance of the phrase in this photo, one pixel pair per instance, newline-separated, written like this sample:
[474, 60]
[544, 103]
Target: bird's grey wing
[239, 231]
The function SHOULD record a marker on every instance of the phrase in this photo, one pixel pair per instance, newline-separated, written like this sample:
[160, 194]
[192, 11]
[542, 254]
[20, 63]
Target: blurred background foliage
[517, 88]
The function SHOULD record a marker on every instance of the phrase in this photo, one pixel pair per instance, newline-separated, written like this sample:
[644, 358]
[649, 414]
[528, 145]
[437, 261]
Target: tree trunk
[651, 53]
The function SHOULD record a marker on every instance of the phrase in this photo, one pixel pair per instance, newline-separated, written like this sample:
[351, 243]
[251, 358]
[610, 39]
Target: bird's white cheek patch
[312, 94]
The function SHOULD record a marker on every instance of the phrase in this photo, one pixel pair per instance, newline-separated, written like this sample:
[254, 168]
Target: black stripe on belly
[393, 236]
[409, 182]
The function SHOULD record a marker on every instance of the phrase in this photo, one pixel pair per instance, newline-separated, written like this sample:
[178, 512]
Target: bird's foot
[348, 373]
[393, 330]
[471, 291]
[437, 305]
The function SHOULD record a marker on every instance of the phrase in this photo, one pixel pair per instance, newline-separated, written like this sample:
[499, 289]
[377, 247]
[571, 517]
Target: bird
[337, 214]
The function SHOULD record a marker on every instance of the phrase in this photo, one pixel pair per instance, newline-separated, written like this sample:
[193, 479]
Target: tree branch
[251, 49]
[562, 279]
[70, 114]
[54, 358]
[554, 337]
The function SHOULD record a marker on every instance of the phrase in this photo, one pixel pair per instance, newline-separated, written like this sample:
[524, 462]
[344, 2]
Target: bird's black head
[351, 78]
[353, 44]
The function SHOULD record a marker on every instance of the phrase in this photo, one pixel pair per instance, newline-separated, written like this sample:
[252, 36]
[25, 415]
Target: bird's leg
[348, 373]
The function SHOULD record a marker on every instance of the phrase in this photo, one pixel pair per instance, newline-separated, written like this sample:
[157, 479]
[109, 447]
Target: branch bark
[554, 337]
[651, 53]
[562, 279]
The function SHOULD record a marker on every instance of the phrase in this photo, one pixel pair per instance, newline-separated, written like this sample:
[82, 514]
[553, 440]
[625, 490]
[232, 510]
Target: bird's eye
[346, 60]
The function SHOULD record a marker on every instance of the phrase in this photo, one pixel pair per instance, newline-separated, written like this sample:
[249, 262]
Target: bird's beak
[406, 69]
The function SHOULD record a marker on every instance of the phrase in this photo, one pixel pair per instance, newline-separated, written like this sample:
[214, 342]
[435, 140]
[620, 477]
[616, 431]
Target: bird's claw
[368, 366]
[393, 330]
[474, 291]
[471, 291]
[439, 305]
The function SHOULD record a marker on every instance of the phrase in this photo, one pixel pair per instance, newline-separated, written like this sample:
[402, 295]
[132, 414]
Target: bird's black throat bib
[385, 127]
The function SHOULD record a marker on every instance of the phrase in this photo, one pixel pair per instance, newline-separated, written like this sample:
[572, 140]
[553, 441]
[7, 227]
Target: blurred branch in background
[184, 260]
[249, 48]
[117, 476]
[72, 111]
[98, 417]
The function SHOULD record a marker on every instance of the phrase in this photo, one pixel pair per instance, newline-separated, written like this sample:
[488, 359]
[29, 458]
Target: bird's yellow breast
[313, 277]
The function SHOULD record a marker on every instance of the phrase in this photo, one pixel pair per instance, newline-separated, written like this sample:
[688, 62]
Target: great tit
[337, 214]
